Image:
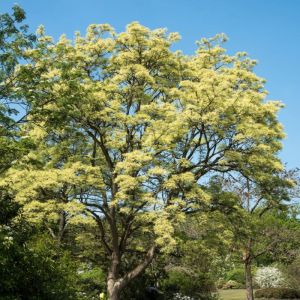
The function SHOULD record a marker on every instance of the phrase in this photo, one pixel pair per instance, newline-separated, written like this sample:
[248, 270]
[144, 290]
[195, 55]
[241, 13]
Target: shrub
[180, 280]
[178, 296]
[31, 265]
[277, 293]
[237, 275]
[268, 277]
[232, 284]
[292, 273]
[91, 280]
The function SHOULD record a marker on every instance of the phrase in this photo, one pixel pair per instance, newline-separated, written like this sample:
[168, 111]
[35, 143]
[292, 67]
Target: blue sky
[269, 30]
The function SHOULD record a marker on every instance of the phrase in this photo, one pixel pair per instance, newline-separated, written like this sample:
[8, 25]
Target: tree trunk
[114, 284]
[248, 276]
[61, 227]
[113, 292]
[113, 287]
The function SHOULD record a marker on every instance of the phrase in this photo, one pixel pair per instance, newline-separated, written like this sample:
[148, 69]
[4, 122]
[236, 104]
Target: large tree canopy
[128, 132]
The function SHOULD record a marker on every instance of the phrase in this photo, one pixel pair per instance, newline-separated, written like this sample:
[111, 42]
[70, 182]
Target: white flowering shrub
[179, 296]
[267, 277]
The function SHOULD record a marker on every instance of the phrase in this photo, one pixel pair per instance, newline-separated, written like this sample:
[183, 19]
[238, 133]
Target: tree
[129, 131]
[196, 264]
[14, 40]
[263, 224]
[29, 266]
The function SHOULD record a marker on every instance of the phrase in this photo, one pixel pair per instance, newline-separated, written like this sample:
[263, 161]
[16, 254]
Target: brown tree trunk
[113, 287]
[114, 284]
[247, 259]
[61, 227]
[113, 293]
[248, 276]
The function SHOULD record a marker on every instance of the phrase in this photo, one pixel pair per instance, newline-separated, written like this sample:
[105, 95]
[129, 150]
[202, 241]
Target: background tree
[260, 230]
[30, 266]
[14, 40]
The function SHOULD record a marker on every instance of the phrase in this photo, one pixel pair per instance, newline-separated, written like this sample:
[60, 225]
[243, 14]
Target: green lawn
[232, 294]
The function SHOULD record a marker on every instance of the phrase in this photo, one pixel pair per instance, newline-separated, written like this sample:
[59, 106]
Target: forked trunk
[115, 284]
[113, 293]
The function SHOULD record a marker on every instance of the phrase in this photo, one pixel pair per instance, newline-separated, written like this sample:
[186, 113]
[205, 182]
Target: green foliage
[91, 281]
[237, 275]
[181, 280]
[31, 264]
[277, 293]
[14, 40]
[139, 288]
[291, 272]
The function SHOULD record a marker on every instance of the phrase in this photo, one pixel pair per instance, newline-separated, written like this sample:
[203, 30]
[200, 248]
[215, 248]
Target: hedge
[277, 293]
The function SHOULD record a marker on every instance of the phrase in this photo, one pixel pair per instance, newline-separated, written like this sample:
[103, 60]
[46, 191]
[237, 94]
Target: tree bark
[113, 293]
[114, 284]
[112, 278]
[247, 260]
[248, 277]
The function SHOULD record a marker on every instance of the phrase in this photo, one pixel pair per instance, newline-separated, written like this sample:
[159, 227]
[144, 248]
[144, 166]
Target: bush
[31, 265]
[91, 281]
[237, 275]
[292, 273]
[268, 277]
[36, 274]
[180, 280]
[277, 293]
[232, 284]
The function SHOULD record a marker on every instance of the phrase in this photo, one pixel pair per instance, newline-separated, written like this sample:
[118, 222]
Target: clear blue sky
[269, 30]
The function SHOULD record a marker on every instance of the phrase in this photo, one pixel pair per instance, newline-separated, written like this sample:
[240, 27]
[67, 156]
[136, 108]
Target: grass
[232, 294]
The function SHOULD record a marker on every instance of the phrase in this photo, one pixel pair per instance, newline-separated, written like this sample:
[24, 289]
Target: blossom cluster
[179, 296]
